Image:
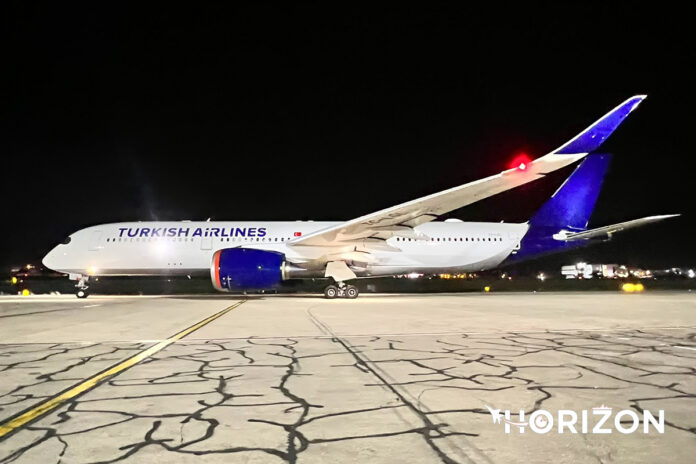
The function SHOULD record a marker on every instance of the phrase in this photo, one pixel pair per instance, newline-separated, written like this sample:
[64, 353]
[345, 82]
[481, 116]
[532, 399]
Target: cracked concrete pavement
[386, 378]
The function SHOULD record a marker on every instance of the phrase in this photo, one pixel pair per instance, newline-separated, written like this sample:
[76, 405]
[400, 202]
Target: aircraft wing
[607, 231]
[399, 220]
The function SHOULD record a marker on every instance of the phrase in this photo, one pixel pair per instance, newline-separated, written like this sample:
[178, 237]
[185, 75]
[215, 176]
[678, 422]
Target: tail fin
[569, 210]
[572, 204]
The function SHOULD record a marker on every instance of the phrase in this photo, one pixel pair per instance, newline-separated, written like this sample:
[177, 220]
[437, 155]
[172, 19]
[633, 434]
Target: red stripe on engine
[216, 268]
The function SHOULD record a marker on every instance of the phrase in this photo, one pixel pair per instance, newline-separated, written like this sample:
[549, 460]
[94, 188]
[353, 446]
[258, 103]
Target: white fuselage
[162, 248]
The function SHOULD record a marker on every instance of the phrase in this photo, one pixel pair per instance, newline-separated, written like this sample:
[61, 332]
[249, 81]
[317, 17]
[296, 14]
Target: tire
[331, 292]
[82, 293]
[352, 292]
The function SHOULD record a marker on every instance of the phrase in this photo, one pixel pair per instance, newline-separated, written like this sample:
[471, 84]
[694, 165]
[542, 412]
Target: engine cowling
[246, 268]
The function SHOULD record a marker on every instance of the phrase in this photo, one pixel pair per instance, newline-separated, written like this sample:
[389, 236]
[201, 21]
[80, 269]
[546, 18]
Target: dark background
[115, 112]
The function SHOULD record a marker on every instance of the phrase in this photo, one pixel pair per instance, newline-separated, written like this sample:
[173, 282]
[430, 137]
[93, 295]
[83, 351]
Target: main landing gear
[341, 290]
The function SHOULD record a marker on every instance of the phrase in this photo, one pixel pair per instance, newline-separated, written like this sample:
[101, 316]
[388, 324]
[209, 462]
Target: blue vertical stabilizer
[568, 209]
[572, 204]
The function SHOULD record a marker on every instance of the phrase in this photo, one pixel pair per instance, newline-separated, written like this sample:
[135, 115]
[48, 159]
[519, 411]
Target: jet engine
[235, 269]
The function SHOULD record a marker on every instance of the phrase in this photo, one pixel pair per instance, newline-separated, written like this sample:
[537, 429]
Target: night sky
[327, 112]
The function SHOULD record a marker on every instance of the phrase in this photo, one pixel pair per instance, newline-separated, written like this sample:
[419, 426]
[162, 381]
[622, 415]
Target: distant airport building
[606, 271]
[583, 270]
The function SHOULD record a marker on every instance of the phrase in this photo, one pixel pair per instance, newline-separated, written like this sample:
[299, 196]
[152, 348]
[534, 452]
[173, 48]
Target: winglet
[591, 138]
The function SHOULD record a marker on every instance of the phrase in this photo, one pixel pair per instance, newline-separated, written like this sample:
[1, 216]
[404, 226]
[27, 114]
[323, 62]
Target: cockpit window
[66, 241]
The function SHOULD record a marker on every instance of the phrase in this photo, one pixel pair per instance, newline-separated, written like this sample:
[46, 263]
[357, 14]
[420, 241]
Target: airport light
[92, 270]
[690, 273]
[14, 280]
[541, 276]
[632, 288]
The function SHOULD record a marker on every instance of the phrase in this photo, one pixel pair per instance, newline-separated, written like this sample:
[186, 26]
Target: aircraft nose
[50, 260]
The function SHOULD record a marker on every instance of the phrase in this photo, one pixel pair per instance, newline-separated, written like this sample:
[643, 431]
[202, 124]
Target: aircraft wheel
[331, 292]
[82, 293]
[352, 292]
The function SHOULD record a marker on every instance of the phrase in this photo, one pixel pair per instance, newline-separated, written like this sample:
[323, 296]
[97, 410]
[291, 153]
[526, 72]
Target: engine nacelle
[246, 268]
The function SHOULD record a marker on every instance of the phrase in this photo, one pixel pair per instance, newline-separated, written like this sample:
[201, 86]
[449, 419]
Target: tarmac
[384, 378]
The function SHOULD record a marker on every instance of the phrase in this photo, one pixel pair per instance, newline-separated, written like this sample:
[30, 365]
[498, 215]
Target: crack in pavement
[295, 399]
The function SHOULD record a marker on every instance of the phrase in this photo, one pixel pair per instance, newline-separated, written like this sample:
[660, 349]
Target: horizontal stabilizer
[607, 231]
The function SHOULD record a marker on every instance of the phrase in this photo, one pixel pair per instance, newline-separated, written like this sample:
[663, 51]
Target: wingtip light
[520, 162]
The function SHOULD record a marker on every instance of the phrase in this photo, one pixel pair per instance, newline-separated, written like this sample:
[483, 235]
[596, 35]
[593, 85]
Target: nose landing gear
[341, 290]
[81, 287]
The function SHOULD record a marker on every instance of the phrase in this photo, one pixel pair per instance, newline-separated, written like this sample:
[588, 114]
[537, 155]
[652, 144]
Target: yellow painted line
[86, 385]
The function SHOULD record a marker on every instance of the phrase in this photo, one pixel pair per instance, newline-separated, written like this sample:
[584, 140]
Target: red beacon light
[520, 162]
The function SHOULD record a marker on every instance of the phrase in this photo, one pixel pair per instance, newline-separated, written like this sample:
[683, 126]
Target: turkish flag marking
[298, 234]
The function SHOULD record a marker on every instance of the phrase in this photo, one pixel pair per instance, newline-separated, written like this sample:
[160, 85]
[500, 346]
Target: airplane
[406, 238]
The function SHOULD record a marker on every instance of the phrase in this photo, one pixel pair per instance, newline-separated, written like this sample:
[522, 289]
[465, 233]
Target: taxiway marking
[43, 408]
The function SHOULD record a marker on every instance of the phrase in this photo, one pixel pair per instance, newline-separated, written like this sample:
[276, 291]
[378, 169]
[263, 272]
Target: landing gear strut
[341, 290]
[81, 287]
